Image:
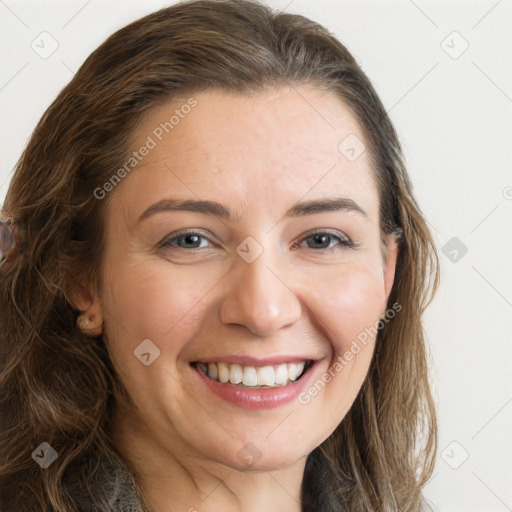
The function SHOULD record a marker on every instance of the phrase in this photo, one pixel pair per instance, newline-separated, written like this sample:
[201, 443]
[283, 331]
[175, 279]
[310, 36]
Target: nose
[259, 298]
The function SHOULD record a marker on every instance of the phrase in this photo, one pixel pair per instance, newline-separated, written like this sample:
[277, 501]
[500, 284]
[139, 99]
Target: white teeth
[281, 375]
[266, 376]
[223, 373]
[235, 374]
[212, 371]
[292, 371]
[300, 367]
[250, 376]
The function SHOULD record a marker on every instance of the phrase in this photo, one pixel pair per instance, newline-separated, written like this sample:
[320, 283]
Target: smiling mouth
[254, 377]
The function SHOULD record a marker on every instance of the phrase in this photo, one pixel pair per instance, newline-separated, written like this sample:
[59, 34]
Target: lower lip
[257, 398]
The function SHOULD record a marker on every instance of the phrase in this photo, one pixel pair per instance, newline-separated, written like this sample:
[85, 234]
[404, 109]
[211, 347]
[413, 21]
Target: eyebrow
[222, 211]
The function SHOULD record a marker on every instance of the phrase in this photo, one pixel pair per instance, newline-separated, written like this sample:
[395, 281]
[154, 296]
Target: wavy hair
[58, 386]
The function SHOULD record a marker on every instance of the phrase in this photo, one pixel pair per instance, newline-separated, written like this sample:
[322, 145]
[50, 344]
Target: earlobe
[90, 321]
[81, 298]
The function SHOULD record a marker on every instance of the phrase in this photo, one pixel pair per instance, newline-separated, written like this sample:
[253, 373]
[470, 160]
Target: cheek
[146, 301]
[347, 309]
[348, 303]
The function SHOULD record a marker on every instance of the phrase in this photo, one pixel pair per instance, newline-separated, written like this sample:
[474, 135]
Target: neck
[173, 477]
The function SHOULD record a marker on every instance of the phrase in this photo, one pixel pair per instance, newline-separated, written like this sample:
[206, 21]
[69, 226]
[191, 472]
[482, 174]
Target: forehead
[268, 150]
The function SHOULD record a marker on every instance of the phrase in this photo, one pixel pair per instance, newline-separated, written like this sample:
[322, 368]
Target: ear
[390, 256]
[85, 299]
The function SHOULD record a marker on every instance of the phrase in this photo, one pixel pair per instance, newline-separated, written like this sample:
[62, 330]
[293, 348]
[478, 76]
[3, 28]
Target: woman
[215, 297]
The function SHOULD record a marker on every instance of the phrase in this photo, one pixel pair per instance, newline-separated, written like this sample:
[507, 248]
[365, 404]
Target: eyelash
[345, 242]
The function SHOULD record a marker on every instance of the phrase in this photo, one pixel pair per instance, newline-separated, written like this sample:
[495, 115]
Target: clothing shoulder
[102, 484]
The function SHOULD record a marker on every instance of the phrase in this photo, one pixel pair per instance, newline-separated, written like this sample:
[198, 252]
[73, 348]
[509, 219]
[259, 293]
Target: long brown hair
[59, 387]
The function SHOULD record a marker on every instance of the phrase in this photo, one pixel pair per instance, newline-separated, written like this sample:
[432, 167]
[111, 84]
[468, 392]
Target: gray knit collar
[102, 484]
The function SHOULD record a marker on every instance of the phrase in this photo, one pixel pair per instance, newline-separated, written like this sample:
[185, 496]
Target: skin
[259, 156]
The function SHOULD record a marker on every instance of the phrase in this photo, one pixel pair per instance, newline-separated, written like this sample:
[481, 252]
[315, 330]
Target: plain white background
[444, 72]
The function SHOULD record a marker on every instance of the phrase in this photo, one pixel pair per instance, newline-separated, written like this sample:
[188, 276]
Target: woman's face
[268, 274]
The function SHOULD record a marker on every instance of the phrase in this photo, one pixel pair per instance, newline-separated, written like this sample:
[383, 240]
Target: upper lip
[255, 361]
